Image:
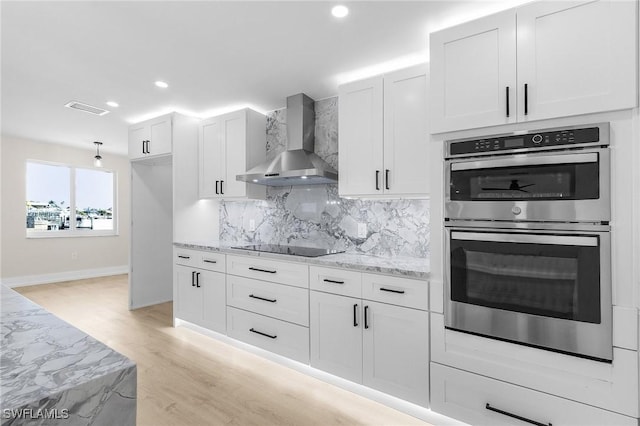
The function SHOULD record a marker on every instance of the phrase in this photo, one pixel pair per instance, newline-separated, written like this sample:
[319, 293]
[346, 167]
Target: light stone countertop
[408, 267]
[48, 367]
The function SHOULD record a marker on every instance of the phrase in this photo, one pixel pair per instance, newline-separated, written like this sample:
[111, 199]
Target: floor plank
[185, 378]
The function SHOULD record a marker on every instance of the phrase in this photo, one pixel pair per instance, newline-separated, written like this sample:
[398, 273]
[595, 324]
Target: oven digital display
[514, 143]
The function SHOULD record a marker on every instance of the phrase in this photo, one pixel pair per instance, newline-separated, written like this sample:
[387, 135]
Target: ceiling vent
[86, 108]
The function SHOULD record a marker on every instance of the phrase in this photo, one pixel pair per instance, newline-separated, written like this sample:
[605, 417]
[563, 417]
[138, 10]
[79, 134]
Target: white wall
[27, 261]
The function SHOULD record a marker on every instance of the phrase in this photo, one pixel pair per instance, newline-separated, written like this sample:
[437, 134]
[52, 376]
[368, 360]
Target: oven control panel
[530, 141]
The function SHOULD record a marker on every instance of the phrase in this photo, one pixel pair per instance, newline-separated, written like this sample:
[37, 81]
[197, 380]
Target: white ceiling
[215, 55]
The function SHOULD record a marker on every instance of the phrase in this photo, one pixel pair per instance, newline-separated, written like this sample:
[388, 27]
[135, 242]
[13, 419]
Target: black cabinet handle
[209, 261]
[507, 101]
[526, 99]
[270, 336]
[386, 179]
[355, 315]
[515, 416]
[184, 257]
[390, 290]
[262, 270]
[377, 180]
[263, 298]
[217, 193]
[333, 281]
[221, 191]
[144, 147]
[198, 279]
[366, 320]
[193, 278]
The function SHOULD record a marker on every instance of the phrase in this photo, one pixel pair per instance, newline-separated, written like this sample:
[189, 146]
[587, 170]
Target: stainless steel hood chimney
[298, 165]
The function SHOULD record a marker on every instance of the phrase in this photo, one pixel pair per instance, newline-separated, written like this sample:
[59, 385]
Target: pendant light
[98, 158]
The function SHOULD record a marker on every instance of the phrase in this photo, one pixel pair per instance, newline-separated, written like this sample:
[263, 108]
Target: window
[65, 201]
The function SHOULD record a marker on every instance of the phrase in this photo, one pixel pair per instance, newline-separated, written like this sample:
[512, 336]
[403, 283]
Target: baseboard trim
[28, 280]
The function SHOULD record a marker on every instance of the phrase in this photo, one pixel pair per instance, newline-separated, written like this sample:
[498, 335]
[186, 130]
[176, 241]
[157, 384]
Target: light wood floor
[185, 378]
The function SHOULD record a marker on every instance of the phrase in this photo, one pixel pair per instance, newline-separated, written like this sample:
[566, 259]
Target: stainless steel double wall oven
[528, 248]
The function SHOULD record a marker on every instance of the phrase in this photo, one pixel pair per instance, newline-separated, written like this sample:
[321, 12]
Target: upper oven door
[566, 186]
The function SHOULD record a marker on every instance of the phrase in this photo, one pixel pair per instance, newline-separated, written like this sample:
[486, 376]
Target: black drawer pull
[390, 290]
[263, 298]
[193, 278]
[262, 270]
[198, 279]
[209, 261]
[377, 180]
[184, 257]
[333, 281]
[270, 336]
[515, 416]
[386, 179]
[355, 315]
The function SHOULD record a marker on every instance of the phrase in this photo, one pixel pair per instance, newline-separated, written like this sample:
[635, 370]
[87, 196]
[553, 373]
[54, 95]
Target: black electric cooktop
[292, 250]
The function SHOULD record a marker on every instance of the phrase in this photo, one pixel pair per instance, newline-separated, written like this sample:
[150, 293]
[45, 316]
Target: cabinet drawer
[186, 257]
[211, 261]
[396, 291]
[336, 281]
[274, 300]
[480, 400]
[283, 338]
[295, 274]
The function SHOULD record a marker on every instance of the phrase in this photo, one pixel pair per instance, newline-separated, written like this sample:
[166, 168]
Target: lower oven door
[549, 289]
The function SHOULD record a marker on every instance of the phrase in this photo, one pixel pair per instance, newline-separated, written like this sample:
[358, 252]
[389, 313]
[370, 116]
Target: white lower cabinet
[281, 337]
[336, 335]
[382, 346]
[395, 351]
[200, 297]
[479, 400]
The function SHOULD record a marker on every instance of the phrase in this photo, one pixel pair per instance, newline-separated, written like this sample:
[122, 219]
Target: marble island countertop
[410, 267]
[51, 370]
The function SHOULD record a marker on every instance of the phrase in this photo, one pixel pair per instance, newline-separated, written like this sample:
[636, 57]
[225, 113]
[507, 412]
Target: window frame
[72, 231]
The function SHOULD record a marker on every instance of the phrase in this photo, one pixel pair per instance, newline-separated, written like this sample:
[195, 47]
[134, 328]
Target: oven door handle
[565, 240]
[527, 160]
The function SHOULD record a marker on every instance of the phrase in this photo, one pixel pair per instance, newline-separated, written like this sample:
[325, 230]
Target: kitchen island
[53, 373]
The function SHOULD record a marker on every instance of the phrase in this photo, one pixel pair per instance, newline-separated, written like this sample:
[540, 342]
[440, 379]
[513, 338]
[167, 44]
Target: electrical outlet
[362, 230]
[252, 225]
[74, 255]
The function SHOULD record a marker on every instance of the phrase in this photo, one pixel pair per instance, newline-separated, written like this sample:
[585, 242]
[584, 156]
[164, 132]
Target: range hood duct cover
[298, 165]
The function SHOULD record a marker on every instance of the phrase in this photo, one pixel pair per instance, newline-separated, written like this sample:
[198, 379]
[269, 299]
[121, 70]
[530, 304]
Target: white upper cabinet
[229, 145]
[576, 58]
[360, 153]
[538, 61]
[151, 138]
[473, 74]
[383, 135]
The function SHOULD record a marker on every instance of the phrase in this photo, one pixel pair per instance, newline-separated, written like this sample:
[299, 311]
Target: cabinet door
[396, 351]
[212, 166]
[138, 133]
[335, 328]
[160, 136]
[406, 134]
[214, 315]
[360, 156]
[234, 131]
[473, 68]
[576, 58]
[188, 303]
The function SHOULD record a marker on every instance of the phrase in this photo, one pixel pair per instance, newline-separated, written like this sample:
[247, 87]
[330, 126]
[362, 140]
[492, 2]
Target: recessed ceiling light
[86, 108]
[113, 104]
[340, 11]
[162, 84]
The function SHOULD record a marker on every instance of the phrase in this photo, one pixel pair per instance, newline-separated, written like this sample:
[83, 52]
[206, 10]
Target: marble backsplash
[314, 215]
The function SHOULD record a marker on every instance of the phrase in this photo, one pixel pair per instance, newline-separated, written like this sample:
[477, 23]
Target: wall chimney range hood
[298, 165]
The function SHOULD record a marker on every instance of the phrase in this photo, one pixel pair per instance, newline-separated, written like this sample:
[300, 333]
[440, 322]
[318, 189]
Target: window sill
[70, 234]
